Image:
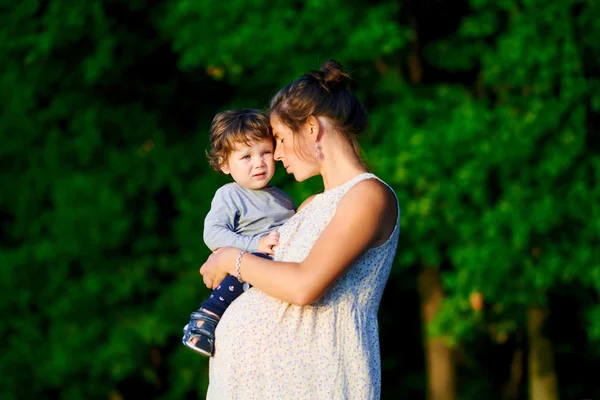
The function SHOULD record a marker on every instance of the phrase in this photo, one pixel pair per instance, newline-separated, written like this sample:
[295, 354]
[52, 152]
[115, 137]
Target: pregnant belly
[248, 320]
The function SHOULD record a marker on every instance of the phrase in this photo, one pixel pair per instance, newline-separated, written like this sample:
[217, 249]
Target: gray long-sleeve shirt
[239, 216]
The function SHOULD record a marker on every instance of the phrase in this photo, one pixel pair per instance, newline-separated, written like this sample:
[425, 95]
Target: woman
[307, 329]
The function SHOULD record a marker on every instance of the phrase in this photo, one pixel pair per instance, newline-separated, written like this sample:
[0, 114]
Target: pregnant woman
[307, 329]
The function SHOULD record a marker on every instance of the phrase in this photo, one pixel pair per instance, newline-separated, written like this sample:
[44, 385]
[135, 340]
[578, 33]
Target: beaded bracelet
[237, 266]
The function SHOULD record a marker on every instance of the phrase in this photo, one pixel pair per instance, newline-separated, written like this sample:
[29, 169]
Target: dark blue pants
[229, 290]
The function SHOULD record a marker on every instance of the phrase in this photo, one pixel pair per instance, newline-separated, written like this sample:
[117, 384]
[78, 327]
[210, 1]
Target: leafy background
[485, 119]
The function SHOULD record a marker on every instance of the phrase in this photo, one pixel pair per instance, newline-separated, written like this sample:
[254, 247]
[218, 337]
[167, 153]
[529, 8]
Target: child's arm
[220, 224]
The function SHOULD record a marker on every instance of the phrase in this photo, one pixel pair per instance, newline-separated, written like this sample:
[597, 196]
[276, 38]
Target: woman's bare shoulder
[373, 192]
[372, 201]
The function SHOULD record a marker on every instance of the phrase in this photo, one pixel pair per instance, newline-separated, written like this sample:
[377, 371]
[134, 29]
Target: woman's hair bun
[334, 75]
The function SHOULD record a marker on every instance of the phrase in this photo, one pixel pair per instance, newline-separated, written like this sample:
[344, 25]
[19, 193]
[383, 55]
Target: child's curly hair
[231, 127]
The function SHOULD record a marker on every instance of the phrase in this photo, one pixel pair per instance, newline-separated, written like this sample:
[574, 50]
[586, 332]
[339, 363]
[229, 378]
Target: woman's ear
[314, 128]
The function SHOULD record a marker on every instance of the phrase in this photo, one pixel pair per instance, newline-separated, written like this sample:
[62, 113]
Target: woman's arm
[365, 217]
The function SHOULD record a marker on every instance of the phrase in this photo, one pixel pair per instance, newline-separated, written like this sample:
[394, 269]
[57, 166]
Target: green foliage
[495, 157]
[253, 40]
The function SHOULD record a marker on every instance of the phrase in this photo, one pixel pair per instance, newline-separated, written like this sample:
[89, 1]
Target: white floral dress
[269, 349]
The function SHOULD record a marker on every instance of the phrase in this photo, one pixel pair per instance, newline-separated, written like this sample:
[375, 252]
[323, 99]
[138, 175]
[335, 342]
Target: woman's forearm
[286, 281]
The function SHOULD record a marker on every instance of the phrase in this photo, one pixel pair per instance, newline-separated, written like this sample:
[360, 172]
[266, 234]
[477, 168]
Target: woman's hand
[218, 265]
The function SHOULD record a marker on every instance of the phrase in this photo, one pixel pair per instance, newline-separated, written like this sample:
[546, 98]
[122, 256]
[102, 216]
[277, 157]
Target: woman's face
[288, 145]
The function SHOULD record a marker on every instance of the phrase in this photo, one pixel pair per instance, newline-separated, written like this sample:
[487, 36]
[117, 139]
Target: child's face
[251, 166]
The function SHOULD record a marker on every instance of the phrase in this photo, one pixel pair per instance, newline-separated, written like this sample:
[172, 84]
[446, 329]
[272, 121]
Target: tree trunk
[511, 389]
[441, 381]
[542, 375]
[415, 70]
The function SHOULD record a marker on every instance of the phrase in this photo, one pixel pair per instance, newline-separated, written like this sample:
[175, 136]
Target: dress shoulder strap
[367, 175]
[358, 178]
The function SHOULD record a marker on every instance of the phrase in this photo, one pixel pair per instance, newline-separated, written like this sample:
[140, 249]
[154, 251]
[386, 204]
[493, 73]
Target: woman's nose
[278, 154]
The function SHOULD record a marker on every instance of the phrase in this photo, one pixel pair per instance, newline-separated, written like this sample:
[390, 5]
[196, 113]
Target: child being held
[245, 213]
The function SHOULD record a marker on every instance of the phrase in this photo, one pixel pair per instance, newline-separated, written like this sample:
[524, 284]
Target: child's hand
[266, 243]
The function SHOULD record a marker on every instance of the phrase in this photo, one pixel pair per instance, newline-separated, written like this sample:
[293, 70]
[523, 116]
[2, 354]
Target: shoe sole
[198, 350]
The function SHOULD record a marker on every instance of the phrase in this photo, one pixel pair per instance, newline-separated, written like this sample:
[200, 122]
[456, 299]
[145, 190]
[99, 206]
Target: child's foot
[199, 333]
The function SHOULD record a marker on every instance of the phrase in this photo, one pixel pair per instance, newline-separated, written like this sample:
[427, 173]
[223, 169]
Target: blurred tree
[484, 118]
[511, 199]
[90, 261]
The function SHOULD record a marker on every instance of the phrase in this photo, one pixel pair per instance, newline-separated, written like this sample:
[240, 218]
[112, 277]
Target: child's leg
[199, 333]
[229, 290]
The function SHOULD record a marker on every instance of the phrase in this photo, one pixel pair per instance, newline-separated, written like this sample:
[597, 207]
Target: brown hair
[322, 93]
[231, 127]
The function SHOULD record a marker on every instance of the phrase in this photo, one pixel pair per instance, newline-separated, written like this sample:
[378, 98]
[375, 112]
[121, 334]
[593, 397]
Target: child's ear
[224, 167]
